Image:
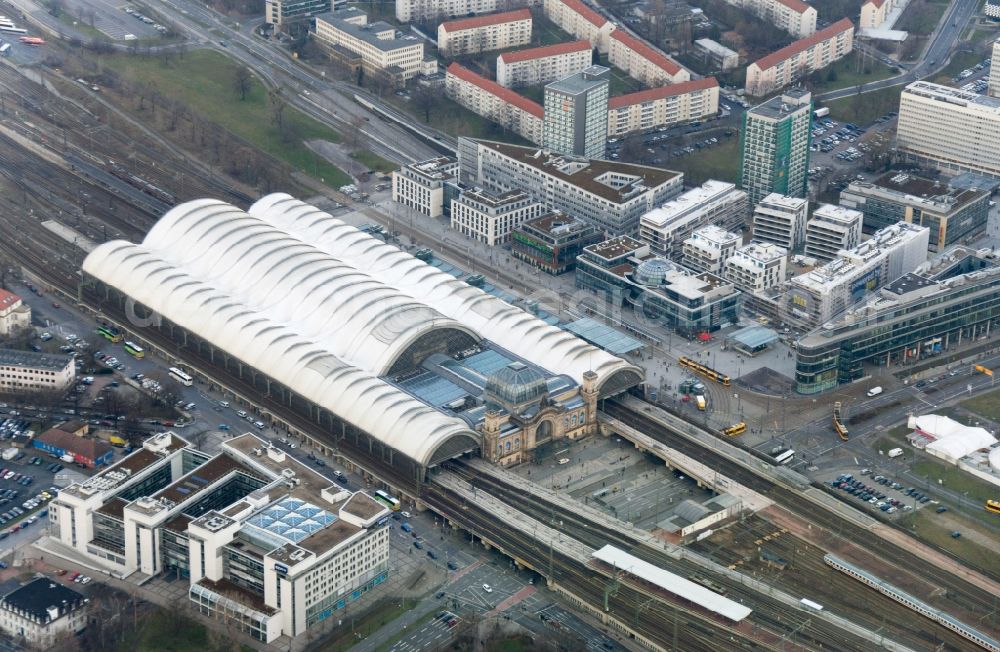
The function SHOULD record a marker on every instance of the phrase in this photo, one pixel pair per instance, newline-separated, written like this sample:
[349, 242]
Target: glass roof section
[293, 519]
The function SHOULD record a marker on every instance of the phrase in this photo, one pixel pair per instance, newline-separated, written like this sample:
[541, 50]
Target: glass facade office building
[774, 146]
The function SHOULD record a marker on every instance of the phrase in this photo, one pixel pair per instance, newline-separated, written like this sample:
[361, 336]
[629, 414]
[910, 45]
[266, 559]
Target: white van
[259, 424]
[241, 414]
[224, 404]
[874, 391]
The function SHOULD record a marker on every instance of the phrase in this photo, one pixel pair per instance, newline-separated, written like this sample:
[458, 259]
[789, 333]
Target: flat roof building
[26, 371]
[553, 241]
[953, 215]
[42, 612]
[437, 10]
[717, 55]
[966, 128]
[831, 229]
[576, 113]
[757, 267]
[709, 247]
[490, 217]
[818, 296]
[719, 203]
[800, 59]
[774, 146]
[379, 46]
[781, 220]
[994, 82]
[489, 99]
[610, 195]
[643, 62]
[281, 12]
[423, 186]
[663, 106]
[484, 33]
[542, 65]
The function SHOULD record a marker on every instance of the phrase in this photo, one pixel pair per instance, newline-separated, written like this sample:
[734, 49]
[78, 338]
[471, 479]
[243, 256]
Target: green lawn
[545, 32]
[953, 477]
[928, 529]
[203, 80]
[378, 616]
[987, 405]
[849, 71]
[159, 633]
[921, 16]
[453, 118]
[959, 61]
[374, 161]
[865, 108]
[719, 162]
[620, 82]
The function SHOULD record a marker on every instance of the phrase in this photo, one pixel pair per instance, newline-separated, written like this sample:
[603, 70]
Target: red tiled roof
[494, 88]
[487, 19]
[797, 6]
[661, 92]
[803, 44]
[88, 448]
[657, 58]
[7, 299]
[877, 3]
[585, 11]
[545, 51]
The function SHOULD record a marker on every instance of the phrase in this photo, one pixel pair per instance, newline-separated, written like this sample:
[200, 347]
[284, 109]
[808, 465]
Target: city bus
[785, 458]
[181, 377]
[387, 500]
[735, 429]
[134, 350]
[993, 506]
[110, 334]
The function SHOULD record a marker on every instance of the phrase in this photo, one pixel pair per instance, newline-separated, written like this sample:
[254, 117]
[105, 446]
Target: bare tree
[278, 105]
[242, 80]
[425, 100]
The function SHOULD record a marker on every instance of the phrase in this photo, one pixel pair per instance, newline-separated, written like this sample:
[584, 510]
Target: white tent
[952, 440]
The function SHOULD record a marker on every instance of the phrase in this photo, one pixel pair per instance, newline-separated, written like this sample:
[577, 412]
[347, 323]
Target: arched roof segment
[512, 328]
[358, 317]
[298, 362]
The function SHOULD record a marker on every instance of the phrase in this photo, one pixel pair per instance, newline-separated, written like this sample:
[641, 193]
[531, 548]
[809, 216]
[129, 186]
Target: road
[953, 22]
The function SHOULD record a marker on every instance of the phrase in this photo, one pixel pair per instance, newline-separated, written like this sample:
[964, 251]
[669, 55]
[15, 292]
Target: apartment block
[484, 33]
[831, 229]
[994, 83]
[774, 146]
[576, 113]
[264, 543]
[643, 63]
[26, 371]
[781, 220]
[438, 10]
[280, 12]
[757, 267]
[581, 21]
[792, 16]
[818, 296]
[874, 13]
[489, 99]
[709, 247]
[663, 106]
[965, 133]
[610, 195]
[542, 65]
[800, 59]
[953, 215]
[14, 313]
[553, 241]
[423, 186]
[717, 203]
[348, 32]
[717, 55]
[489, 217]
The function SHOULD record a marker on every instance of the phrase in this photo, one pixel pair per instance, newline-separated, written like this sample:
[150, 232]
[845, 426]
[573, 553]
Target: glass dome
[514, 385]
[653, 271]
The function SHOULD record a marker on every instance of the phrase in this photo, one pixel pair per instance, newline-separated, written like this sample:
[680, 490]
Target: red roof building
[485, 20]
[493, 88]
[8, 300]
[642, 62]
[662, 92]
[545, 51]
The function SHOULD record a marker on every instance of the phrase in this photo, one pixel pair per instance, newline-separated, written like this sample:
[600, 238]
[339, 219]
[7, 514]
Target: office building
[544, 64]
[642, 62]
[43, 612]
[14, 313]
[663, 106]
[800, 59]
[23, 372]
[965, 133]
[950, 300]
[489, 99]
[622, 270]
[489, 217]
[424, 186]
[265, 543]
[718, 56]
[380, 50]
[576, 113]
[581, 21]
[438, 10]
[816, 297]
[553, 241]
[757, 267]
[874, 13]
[709, 247]
[718, 203]
[953, 215]
[282, 12]
[774, 146]
[831, 229]
[484, 33]
[781, 220]
[994, 83]
[792, 16]
[610, 195]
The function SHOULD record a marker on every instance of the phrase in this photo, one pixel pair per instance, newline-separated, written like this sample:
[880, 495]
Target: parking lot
[880, 492]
